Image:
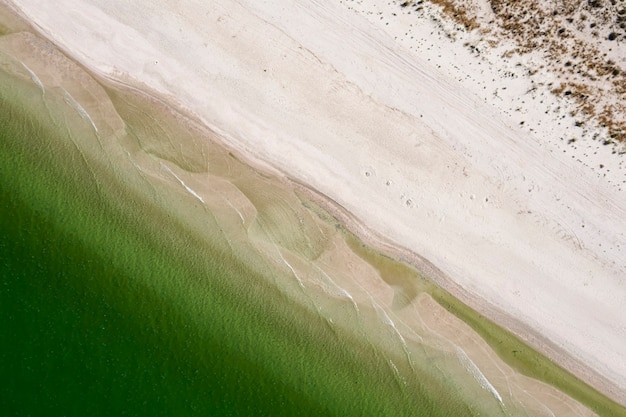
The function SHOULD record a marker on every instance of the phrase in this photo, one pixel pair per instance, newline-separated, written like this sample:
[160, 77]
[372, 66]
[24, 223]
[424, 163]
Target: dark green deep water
[108, 307]
[79, 335]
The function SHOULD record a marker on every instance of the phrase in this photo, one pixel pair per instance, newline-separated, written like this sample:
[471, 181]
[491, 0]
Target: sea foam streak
[36, 79]
[471, 367]
[191, 191]
[342, 291]
[76, 106]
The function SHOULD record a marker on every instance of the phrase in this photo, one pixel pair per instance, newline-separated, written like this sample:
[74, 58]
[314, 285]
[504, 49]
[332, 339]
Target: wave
[342, 291]
[35, 78]
[80, 109]
[191, 191]
[471, 367]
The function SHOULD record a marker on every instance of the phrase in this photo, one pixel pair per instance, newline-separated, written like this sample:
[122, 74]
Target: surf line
[191, 191]
[80, 109]
[35, 78]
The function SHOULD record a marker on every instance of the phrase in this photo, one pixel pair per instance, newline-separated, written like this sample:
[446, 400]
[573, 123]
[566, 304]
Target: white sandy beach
[528, 234]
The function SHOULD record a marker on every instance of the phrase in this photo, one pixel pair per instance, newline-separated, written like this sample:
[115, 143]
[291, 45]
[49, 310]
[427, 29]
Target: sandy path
[321, 95]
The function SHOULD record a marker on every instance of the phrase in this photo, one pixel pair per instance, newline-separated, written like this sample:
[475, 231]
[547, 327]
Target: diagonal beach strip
[321, 95]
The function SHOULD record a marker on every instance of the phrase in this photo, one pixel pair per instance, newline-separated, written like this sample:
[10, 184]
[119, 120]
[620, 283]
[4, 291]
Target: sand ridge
[338, 105]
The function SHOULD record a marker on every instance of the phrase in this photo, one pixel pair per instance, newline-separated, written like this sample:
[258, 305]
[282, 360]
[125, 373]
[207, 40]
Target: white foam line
[342, 291]
[549, 410]
[76, 106]
[397, 372]
[471, 367]
[295, 274]
[237, 210]
[420, 338]
[192, 192]
[390, 323]
[387, 320]
[34, 77]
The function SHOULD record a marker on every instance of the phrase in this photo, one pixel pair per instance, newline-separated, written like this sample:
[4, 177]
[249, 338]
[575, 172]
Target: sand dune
[525, 233]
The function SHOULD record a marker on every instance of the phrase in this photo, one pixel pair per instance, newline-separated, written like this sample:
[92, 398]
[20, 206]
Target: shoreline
[386, 247]
[375, 238]
[540, 343]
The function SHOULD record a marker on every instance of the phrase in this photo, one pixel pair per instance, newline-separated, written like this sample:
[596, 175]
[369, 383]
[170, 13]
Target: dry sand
[524, 232]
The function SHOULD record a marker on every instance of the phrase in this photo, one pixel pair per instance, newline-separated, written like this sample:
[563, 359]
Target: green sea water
[110, 305]
[122, 294]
